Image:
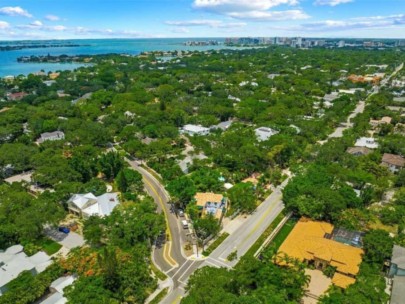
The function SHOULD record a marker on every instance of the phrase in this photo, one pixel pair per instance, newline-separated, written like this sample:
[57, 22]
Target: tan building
[383, 121]
[393, 162]
[211, 203]
[311, 242]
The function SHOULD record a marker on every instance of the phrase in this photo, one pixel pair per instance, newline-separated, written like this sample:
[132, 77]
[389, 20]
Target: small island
[5, 48]
[55, 59]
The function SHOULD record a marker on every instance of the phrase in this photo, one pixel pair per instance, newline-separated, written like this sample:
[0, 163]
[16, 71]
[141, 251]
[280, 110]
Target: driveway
[69, 241]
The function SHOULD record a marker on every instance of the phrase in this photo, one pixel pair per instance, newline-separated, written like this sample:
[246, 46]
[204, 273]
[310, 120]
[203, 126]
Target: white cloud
[254, 10]
[206, 22]
[225, 6]
[52, 18]
[4, 25]
[180, 30]
[372, 22]
[331, 2]
[36, 23]
[58, 28]
[270, 15]
[14, 11]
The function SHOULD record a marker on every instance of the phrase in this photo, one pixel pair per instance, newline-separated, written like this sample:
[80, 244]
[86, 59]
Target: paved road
[240, 240]
[338, 132]
[167, 254]
[247, 234]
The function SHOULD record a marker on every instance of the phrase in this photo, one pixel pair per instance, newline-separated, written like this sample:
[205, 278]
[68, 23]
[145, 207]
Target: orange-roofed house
[53, 76]
[211, 203]
[317, 243]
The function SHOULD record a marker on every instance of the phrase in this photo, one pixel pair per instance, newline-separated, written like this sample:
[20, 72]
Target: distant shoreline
[8, 48]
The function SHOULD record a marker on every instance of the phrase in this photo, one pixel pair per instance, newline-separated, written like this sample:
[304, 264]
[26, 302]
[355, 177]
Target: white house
[13, 261]
[57, 288]
[367, 142]
[195, 130]
[264, 133]
[51, 136]
[88, 204]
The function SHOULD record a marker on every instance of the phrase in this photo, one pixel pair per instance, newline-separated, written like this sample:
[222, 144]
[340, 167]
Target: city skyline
[86, 19]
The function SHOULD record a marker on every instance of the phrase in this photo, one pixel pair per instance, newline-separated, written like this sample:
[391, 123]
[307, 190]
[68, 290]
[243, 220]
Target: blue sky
[59, 19]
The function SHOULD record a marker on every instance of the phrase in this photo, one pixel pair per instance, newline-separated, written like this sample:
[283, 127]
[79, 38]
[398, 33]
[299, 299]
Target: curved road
[167, 253]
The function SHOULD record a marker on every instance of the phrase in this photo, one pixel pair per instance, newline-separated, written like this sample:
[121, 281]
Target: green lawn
[49, 246]
[160, 275]
[159, 297]
[283, 233]
[264, 236]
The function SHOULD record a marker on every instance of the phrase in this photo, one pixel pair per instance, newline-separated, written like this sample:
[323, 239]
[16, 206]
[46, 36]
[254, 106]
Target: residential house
[193, 130]
[397, 273]
[393, 162]
[367, 142]
[351, 91]
[51, 136]
[358, 151]
[16, 96]
[61, 93]
[211, 203]
[374, 78]
[13, 261]
[264, 133]
[53, 76]
[321, 245]
[86, 205]
[49, 83]
[396, 109]
[383, 121]
[223, 125]
[83, 98]
[56, 296]
[331, 97]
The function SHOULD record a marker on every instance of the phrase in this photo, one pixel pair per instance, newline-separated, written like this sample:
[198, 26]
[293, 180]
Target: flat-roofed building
[368, 142]
[51, 136]
[264, 133]
[193, 130]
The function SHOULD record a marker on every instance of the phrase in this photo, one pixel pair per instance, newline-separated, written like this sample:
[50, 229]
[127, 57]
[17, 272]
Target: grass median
[215, 244]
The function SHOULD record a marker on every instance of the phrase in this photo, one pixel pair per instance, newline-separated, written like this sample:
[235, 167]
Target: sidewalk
[161, 285]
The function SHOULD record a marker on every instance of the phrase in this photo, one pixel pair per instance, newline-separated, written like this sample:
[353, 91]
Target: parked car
[181, 213]
[185, 224]
[64, 229]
